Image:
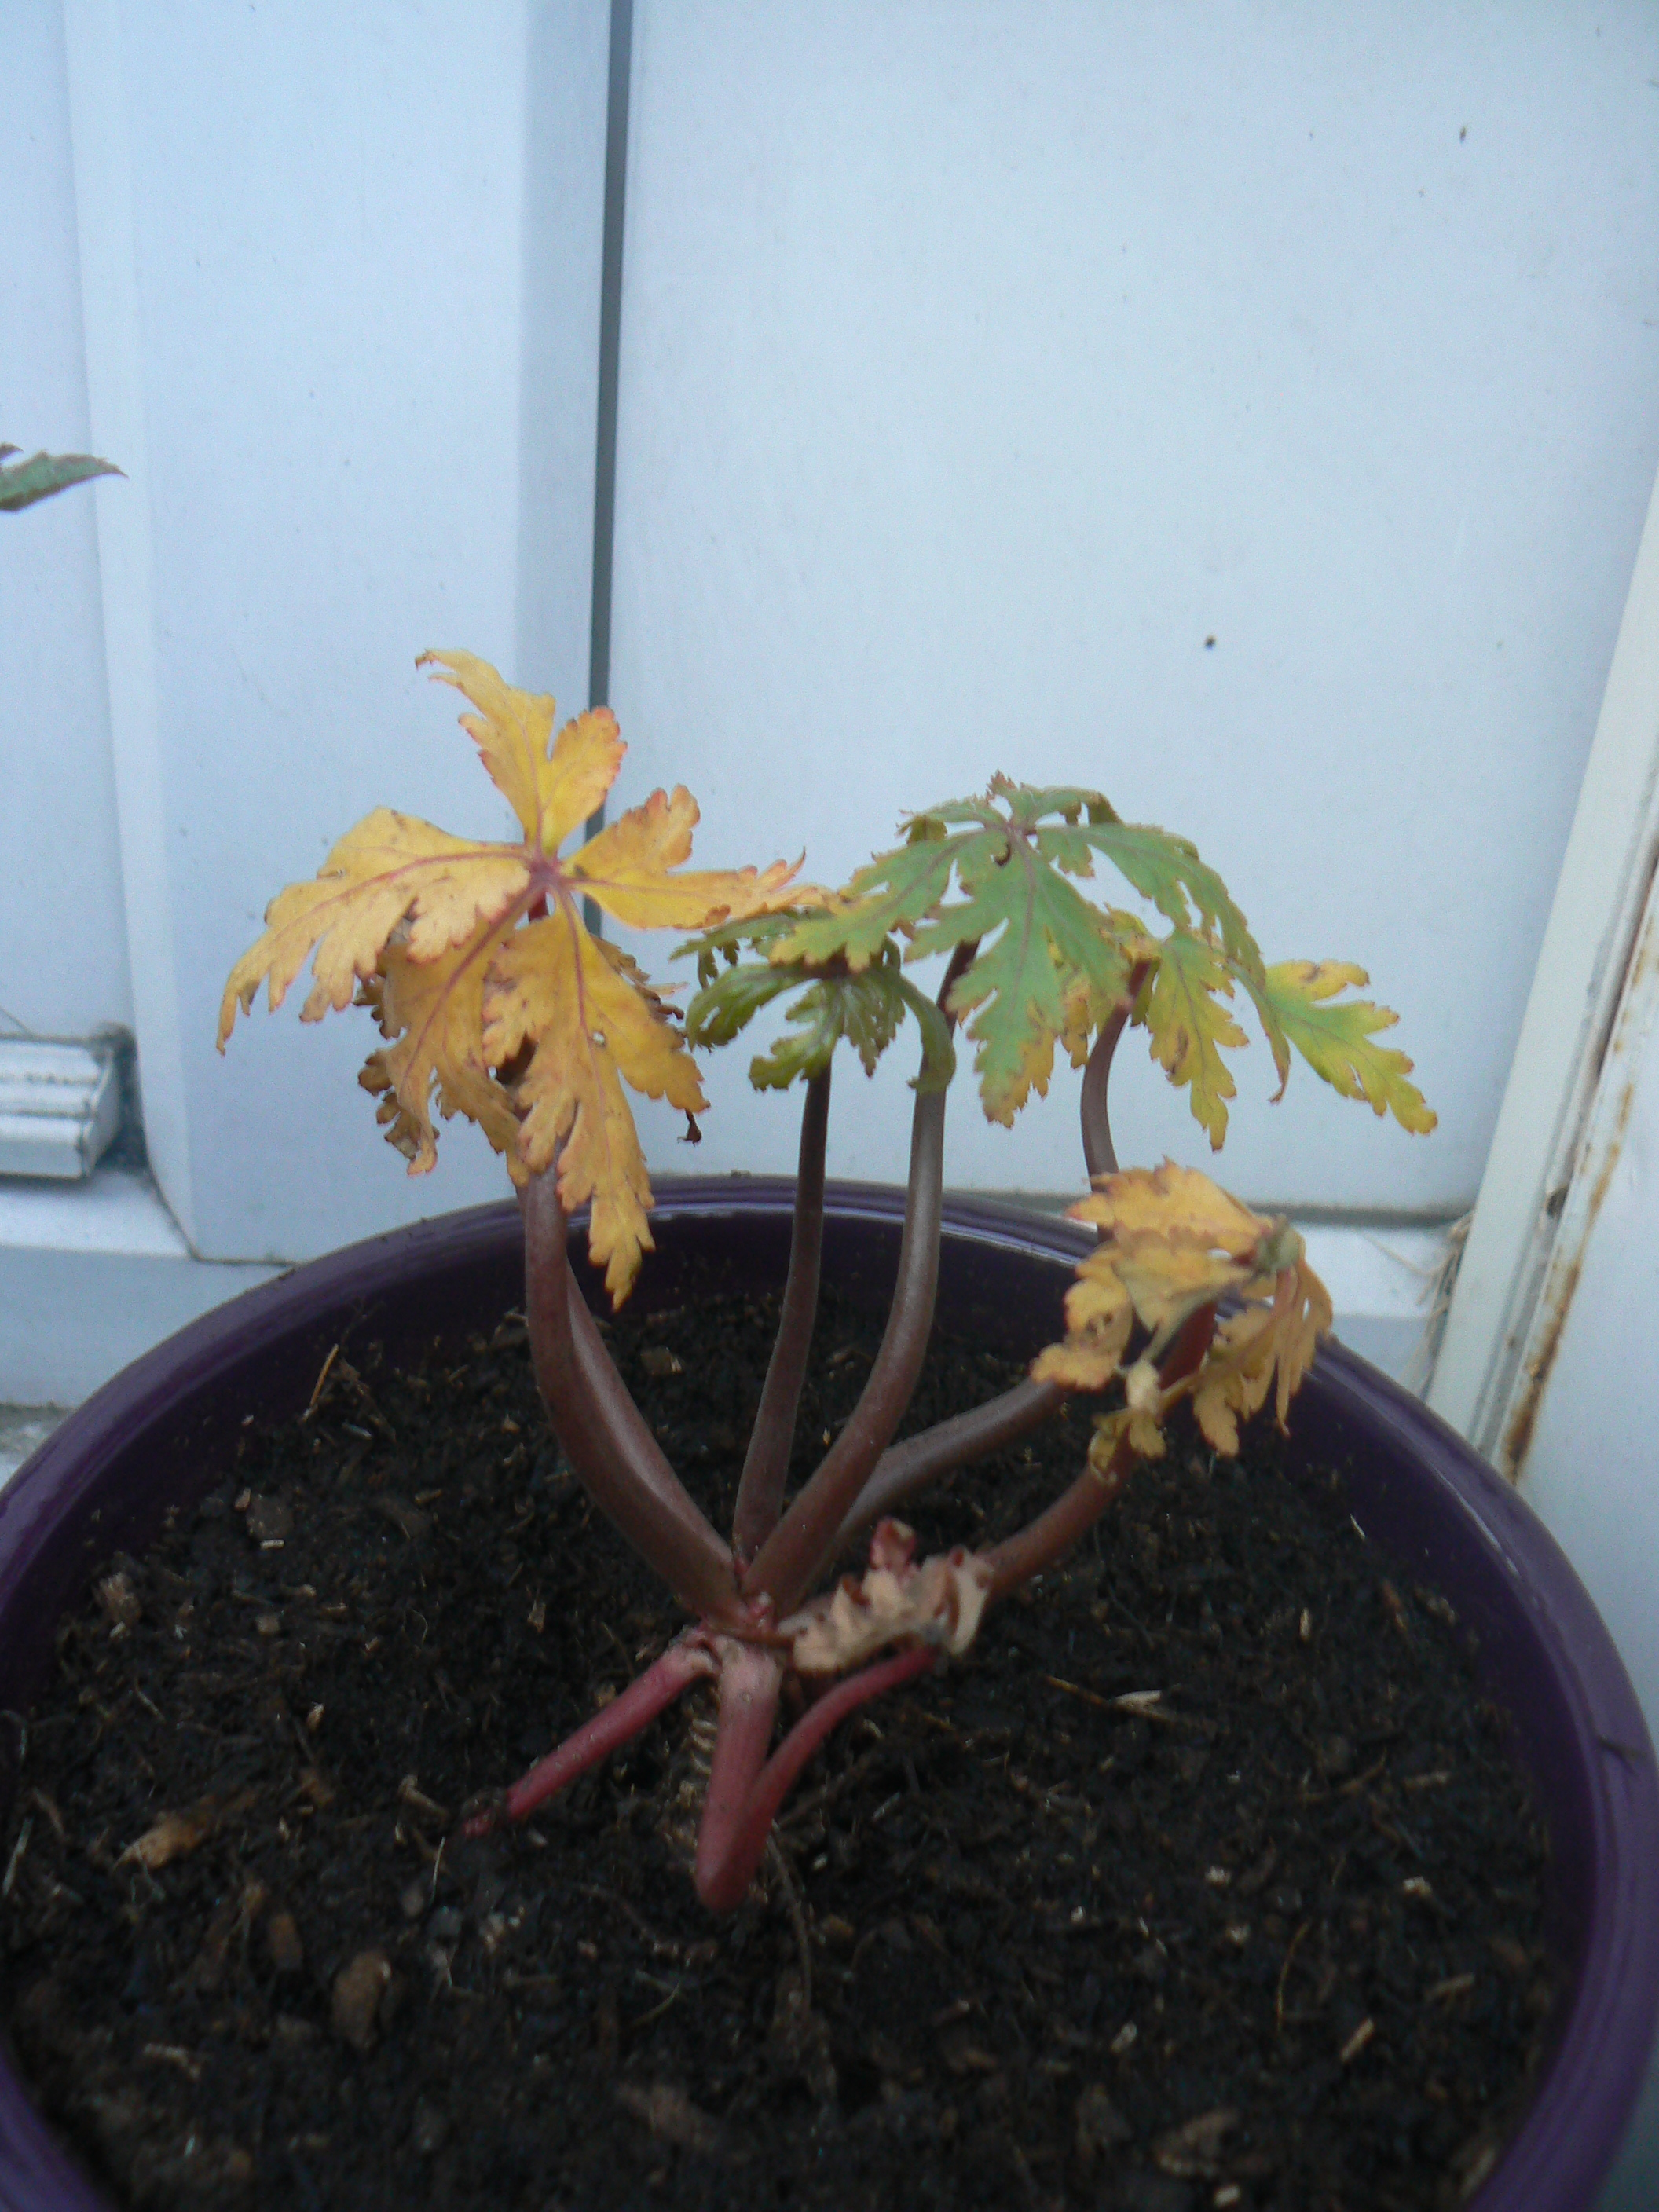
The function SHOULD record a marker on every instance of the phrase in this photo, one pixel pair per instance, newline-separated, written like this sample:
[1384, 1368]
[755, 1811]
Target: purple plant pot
[162, 1433]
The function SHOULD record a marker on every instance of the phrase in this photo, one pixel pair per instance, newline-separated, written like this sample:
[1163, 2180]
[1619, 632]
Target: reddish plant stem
[615, 1460]
[904, 1470]
[730, 1865]
[750, 1678]
[790, 1560]
[684, 1663]
[1053, 1533]
[766, 1465]
[1097, 1150]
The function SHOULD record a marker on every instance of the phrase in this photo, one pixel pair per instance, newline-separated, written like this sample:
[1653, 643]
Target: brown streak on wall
[1558, 1299]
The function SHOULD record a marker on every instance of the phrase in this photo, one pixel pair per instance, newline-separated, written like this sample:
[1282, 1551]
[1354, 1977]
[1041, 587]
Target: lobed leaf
[865, 1007]
[1100, 1315]
[553, 785]
[1051, 965]
[1187, 1025]
[1256, 1348]
[1336, 1040]
[589, 1026]
[1172, 1242]
[390, 872]
[1050, 957]
[1145, 1438]
[892, 893]
[999, 870]
[1174, 1205]
[432, 1014]
[494, 1000]
[628, 869]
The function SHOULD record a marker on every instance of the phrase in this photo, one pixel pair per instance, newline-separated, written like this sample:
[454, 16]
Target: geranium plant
[497, 1000]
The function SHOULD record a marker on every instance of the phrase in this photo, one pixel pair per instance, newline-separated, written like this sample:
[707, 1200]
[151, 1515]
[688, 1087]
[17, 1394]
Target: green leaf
[865, 1009]
[1051, 964]
[43, 474]
[1046, 942]
[1336, 1040]
[729, 1002]
[1001, 871]
[1168, 871]
[892, 893]
[728, 941]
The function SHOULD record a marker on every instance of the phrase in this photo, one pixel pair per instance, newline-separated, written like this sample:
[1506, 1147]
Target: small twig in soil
[1283, 1976]
[1076, 1690]
[16, 1858]
[317, 1392]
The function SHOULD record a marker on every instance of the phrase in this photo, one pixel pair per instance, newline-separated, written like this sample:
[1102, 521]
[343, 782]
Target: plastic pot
[161, 1434]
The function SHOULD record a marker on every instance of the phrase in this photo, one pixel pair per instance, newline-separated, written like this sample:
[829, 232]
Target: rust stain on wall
[1559, 1293]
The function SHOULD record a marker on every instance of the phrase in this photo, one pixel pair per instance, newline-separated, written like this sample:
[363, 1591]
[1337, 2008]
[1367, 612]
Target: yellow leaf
[390, 869]
[1087, 1006]
[1144, 1436]
[1187, 1025]
[433, 1013]
[493, 998]
[1098, 1319]
[552, 791]
[1232, 1384]
[553, 989]
[1173, 1243]
[1335, 1041]
[1171, 1240]
[1178, 1204]
[1254, 1347]
[625, 870]
[1168, 1281]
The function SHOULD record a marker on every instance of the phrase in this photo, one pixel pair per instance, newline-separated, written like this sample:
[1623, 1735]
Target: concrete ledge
[1381, 1281]
[91, 1275]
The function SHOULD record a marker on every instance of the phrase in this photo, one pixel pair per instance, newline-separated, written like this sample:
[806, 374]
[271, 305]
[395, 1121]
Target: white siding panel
[980, 364]
[63, 937]
[338, 222]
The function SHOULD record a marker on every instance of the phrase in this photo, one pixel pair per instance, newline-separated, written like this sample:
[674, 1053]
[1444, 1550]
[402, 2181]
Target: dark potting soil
[1205, 1880]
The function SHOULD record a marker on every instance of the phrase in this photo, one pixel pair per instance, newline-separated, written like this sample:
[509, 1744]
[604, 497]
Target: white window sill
[92, 1274]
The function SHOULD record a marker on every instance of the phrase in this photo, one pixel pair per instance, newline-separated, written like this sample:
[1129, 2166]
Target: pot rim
[1590, 2082]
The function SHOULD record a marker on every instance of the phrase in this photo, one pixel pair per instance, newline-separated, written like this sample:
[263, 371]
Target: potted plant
[496, 1000]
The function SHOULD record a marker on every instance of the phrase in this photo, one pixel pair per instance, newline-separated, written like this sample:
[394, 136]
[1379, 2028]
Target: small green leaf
[865, 1009]
[22, 483]
[729, 1002]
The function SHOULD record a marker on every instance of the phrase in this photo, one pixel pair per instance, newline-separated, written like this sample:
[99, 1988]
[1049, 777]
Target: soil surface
[1203, 1881]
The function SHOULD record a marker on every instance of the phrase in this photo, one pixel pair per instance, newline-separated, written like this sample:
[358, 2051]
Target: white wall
[341, 270]
[979, 364]
[977, 367]
[63, 932]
